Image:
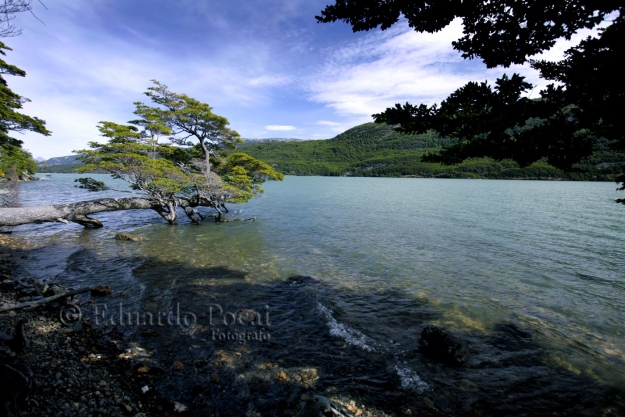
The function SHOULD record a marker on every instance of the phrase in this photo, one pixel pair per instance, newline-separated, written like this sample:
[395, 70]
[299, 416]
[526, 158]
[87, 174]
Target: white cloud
[280, 127]
[367, 75]
[327, 123]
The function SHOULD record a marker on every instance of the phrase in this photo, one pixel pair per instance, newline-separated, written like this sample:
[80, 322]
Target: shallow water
[529, 272]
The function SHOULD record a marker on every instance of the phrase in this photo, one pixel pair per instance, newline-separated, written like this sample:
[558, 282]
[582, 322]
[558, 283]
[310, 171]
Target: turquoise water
[392, 255]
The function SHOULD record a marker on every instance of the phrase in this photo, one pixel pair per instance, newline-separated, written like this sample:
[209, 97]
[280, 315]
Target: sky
[265, 65]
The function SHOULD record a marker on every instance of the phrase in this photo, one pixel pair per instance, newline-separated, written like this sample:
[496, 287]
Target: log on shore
[29, 305]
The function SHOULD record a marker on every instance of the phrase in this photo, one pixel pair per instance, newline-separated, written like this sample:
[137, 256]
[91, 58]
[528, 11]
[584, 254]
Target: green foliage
[15, 157]
[154, 127]
[374, 150]
[129, 161]
[90, 184]
[62, 169]
[119, 133]
[12, 156]
[246, 174]
[10, 102]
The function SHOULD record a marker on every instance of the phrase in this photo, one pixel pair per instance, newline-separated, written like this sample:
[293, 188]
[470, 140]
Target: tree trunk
[74, 212]
[78, 212]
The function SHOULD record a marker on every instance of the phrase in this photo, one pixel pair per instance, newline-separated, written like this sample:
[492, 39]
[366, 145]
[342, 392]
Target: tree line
[373, 150]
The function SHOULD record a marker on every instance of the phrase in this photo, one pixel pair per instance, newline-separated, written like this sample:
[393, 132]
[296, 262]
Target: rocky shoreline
[68, 368]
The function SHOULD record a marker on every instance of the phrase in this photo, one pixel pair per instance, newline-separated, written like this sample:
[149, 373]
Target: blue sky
[266, 65]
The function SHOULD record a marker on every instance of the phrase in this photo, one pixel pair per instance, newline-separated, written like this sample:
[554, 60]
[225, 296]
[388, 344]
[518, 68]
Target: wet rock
[53, 290]
[101, 290]
[248, 315]
[440, 344]
[143, 369]
[128, 237]
[302, 280]
[466, 385]
[282, 376]
[332, 407]
[179, 408]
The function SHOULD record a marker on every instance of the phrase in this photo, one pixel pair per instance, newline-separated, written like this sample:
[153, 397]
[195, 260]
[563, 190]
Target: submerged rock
[302, 280]
[101, 290]
[127, 237]
[440, 344]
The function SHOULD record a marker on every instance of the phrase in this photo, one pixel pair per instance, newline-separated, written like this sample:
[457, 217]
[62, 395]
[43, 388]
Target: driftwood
[29, 305]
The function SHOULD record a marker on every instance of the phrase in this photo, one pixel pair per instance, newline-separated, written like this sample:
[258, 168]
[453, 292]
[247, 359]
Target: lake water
[531, 273]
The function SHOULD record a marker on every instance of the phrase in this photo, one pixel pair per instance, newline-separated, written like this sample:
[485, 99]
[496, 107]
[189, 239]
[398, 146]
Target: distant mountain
[268, 140]
[61, 160]
[374, 150]
[39, 159]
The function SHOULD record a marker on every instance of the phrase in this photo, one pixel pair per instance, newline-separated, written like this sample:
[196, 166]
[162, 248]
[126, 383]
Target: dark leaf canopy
[499, 32]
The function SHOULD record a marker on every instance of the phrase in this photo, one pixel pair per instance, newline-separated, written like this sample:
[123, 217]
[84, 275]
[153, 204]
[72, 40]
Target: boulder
[442, 345]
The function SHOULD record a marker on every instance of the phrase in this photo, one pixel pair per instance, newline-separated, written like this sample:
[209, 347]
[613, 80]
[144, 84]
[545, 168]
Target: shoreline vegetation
[374, 150]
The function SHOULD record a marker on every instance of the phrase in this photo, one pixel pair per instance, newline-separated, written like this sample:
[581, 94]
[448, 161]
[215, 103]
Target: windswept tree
[190, 120]
[164, 177]
[577, 112]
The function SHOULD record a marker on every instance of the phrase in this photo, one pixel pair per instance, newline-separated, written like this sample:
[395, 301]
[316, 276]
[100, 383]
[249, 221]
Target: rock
[179, 408]
[302, 280]
[53, 290]
[131, 238]
[466, 385]
[332, 407]
[143, 369]
[101, 290]
[282, 376]
[440, 344]
[248, 315]
[178, 365]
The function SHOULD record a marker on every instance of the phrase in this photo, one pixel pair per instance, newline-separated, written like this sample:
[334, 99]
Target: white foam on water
[351, 336]
[409, 379]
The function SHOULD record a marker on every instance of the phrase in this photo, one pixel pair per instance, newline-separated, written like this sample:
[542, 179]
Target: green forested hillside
[65, 168]
[377, 150]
